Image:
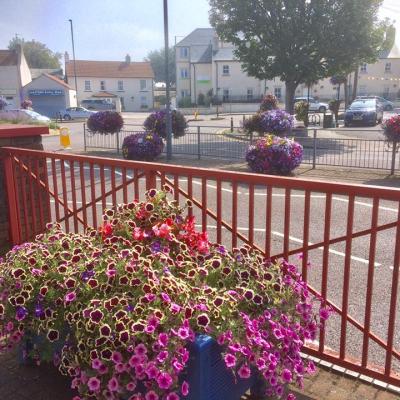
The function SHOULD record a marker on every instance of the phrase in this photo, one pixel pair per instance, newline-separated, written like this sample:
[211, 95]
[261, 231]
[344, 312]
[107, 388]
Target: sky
[110, 29]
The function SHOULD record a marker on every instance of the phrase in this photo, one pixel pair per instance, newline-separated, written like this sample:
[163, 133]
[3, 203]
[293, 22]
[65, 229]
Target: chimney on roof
[128, 59]
[66, 57]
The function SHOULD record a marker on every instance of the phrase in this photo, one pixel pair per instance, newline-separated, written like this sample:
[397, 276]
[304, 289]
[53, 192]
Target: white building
[131, 82]
[205, 64]
[14, 75]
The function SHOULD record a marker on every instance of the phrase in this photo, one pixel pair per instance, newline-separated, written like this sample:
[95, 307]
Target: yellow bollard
[196, 114]
[65, 140]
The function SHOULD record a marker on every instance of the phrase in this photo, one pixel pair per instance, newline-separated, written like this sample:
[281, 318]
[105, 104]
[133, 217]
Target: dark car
[364, 112]
[386, 104]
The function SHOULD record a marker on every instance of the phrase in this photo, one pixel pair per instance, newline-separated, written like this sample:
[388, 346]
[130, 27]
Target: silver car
[97, 104]
[76, 113]
[314, 105]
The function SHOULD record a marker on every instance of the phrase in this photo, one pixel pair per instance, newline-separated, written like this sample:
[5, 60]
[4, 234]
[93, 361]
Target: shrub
[3, 104]
[105, 122]
[268, 103]
[253, 124]
[391, 129]
[201, 99]
[26, 104]
[127, 300]
[145, 146]
[157, 122]
[301, 110]
[274, 155]
[186, 102]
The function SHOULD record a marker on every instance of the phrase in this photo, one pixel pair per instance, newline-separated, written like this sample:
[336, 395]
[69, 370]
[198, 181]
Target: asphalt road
[383, 268]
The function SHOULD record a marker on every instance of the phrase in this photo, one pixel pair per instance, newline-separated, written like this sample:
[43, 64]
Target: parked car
[76, 112]
[386, 104]
[23, 115]
[97, 104]
[314, 105]
[364, 112]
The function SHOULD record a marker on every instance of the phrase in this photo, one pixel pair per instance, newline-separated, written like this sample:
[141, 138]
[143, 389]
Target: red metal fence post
[151, 182]
[14, 222]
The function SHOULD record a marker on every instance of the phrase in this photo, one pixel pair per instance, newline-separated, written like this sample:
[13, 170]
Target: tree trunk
[355, 87]
[289, 97]
[346, 93]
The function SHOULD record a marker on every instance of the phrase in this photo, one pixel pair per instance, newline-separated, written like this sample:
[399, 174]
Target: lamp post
[73, 55]
[167, 84]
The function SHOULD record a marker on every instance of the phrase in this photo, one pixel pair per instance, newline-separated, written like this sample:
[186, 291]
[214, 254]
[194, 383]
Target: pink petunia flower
[185, 388]
[244, 371]
[164, 380]
[94, 384]
[113, 385]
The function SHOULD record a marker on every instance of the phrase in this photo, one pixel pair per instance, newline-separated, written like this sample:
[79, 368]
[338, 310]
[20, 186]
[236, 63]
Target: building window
[184, 93]
[184, 52]
[362, 90]
[102, 85]
[143, 102]
[249, 94]
[184, 73]
[278, 93]
[388, 67]
[87, 86]
[363, 68]
[143, 84]
[225, 95]
[225, 70]
[120, 86]
[386, 91]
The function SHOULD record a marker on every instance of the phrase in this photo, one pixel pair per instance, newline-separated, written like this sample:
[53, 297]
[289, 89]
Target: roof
[36, 72]
[104, 94]
[8, 58]
[59, 81]
[224, 54]
[201, 54]
[109, 69]
[198, 36]
[394, 52]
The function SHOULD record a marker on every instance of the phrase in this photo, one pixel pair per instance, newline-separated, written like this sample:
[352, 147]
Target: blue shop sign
[46, 92]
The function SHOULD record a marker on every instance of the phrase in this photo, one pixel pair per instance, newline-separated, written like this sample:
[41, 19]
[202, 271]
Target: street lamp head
[70, 20]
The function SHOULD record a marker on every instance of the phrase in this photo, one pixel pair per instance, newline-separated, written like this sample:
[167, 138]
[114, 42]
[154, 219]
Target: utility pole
[167, 84]
[73, 55]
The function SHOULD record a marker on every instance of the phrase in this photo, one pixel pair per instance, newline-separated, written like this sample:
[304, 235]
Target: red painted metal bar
[93, 195]
[393, 298]
[103, 189]
[234, 213]
[203, 205]
[286, 231]
[65, 199]
[306, 235]
[114, 191]
[23, 179]
[190, 193]
[83, 193]
[136, 184]
[55, 188]
[325, 265]
[15, 234]
[251, 214]
[370, 281]
[39, 196]
[268, 222]
[73, 192]
[176, 187]
[346, 277]
[124, 186]
[219, 211]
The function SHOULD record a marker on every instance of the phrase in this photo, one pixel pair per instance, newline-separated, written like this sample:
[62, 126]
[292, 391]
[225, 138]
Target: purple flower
[144, 146]
[287, 375]
[21, 313]
[70, 297]
[230, 360]
[244, 371]
[164, 380]
[94, 384]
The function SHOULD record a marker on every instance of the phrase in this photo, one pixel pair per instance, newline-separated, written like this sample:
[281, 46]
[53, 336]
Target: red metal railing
[346, 237]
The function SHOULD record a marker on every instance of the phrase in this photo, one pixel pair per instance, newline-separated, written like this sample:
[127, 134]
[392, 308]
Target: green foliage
[157, 60]
[37, 54]
[299, 41]
[186, 102]
[301, 110]
[201, 99]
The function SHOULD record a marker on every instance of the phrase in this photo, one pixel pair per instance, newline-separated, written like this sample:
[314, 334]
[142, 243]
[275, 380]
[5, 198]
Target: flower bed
[157, 122]
[105, 122]
[144, 146]
[274, 155]
[391, 129]
[128, 301]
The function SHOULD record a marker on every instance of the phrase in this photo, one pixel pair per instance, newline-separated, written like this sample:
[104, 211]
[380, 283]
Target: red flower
[106, 230]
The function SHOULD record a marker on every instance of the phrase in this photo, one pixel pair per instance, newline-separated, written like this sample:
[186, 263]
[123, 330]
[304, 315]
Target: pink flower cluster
[125, 302]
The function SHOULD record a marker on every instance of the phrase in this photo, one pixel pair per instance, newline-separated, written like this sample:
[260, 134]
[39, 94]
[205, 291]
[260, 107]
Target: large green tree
[157, 60]
[37, 54]
[299, 40]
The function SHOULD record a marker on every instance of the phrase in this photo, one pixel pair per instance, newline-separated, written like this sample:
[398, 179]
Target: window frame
[88, 86]
[363, 68]
[226, 70]
[103, 85]
[120, 86]
[388, 70]
[184, 73]
[184, 52]
[143, 87]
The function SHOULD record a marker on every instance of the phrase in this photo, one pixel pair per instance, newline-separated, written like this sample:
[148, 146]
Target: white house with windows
[206, 64]
[127, 82]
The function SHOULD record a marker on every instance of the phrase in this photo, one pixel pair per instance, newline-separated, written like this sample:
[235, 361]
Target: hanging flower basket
[274, 155]
[391, 129]
[132, 301]
[157, 122]
[105, 122]
[143, 146]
